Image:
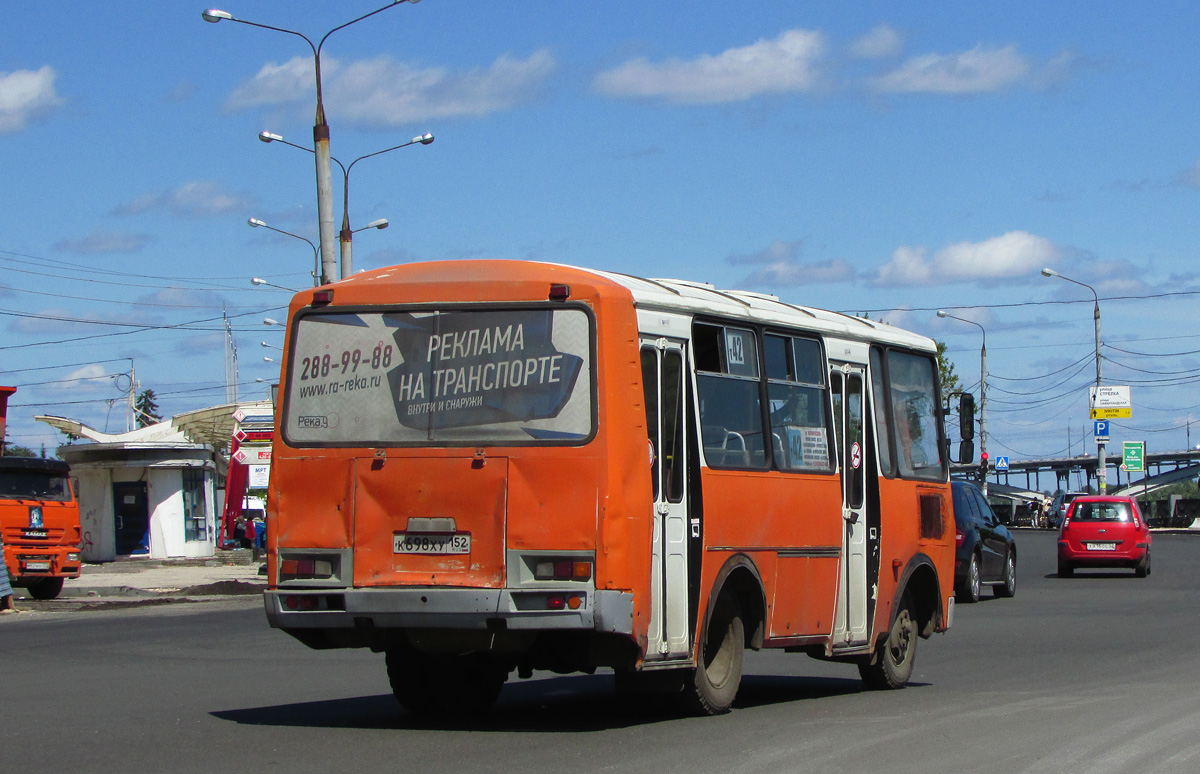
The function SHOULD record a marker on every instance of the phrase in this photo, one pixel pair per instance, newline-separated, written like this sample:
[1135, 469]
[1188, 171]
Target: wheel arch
[920, 577]
[741, 576]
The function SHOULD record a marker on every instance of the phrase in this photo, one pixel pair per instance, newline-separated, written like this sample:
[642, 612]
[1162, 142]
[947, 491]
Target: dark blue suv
[986, 553]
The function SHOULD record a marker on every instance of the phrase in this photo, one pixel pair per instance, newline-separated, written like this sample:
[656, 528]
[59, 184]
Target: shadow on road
[566, 704]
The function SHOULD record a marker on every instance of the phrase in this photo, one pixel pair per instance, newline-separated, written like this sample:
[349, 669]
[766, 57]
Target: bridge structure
[1074, 474]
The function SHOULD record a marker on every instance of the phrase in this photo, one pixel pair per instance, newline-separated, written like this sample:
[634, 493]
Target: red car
[1104, 532]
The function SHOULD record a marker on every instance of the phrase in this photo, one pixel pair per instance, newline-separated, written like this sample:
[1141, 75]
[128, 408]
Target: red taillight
[292, 569]
[556, 603]
[560, 292]
[322, 298]
[562, 570]
[959, 537]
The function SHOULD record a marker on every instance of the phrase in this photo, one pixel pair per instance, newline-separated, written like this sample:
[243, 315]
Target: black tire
[891, 665]
[715, 680]
[973, 584]
[1009, 587]
[1065, 570]
[45, 588]
[435, 684]
[1143, 567]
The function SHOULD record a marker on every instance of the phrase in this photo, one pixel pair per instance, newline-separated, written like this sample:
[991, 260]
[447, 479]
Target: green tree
[950, 381]
[16, 450]
[147, 408]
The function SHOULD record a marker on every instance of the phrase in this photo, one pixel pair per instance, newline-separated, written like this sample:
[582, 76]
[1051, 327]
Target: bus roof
[673, 295]
[689, 297]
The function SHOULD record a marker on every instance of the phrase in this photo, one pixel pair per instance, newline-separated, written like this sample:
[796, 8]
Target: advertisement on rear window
[370, 378]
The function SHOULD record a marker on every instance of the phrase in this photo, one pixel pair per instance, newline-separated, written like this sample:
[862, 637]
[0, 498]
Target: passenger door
[665, 385]
[846, 386]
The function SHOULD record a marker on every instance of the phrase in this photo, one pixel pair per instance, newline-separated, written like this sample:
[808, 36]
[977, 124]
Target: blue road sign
[1002, 463]
[1100, 430]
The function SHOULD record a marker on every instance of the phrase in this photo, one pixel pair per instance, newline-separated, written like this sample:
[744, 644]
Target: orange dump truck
[39, 521]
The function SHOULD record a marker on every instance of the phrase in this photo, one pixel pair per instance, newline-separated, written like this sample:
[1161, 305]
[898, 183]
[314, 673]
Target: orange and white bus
[483, 467]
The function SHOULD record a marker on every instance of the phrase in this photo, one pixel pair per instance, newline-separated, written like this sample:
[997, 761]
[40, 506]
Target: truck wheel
[716, 678]
[45, 588]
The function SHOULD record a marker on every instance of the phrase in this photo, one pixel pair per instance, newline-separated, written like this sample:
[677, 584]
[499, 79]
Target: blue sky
[894, 158]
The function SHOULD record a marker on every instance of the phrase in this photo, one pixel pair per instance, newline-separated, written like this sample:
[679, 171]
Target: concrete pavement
[229, 573]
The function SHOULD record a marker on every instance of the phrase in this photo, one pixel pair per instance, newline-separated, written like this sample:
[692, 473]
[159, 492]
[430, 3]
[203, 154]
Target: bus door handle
[663, 509]
[849, 515]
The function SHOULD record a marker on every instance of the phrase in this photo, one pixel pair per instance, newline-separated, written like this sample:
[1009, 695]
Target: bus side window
[730, 406]
[795, 374]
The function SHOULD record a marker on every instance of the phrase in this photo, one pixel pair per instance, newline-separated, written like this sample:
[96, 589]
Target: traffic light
[983, 464]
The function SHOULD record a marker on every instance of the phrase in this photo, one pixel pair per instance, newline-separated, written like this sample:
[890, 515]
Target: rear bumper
[444, 608]
[1123, 557]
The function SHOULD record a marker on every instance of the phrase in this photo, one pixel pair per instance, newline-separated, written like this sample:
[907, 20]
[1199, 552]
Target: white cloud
[91, 378]
[384, 92]
[282, 84]
[24, 96]
[197, 199]
[789, 63]
[971, 72]
[781, 266]
[881, 42]
[1010, 256]
[104, 242]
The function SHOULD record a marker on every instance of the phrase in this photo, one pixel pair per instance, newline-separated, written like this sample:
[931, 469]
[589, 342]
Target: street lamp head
[266, 136]
[255, 223]
[269, 321]
[1047, 272]
[941, 313]
[212, 15]
[424, 139]
[382, 223]
[257, 281]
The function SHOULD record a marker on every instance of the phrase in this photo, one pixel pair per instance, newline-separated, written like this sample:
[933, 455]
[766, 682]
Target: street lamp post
[1101, 459]
[318, 277]
[320, 127]
[983, 379]
[346, 236]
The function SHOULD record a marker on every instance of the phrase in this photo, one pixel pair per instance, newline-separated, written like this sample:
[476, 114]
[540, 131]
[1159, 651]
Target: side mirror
[966, 451]
[966, 419]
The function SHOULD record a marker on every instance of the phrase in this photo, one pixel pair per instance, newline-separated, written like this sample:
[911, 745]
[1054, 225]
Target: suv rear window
[1093, 511]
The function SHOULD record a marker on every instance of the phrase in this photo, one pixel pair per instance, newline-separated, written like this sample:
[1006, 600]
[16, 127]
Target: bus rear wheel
[716, 678]
[437, 684]
[45, 588]
[891, 664]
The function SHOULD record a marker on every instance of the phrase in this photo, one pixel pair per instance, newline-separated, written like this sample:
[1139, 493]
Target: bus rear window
[457, 377]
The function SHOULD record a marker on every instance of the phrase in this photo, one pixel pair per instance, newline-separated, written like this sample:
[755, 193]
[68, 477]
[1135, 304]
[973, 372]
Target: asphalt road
[1096, 673]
